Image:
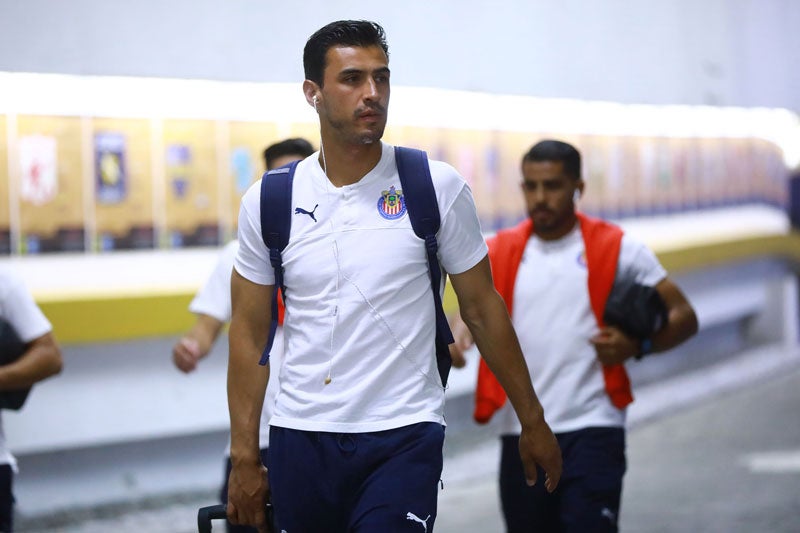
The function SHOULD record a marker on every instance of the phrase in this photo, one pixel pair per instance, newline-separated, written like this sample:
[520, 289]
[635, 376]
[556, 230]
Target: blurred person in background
[555, 271]
[30, 354]
[212, 306]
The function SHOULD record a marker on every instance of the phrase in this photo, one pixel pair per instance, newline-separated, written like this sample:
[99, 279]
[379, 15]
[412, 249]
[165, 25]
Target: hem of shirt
[354, 427]
[7, 458]
[30, 336]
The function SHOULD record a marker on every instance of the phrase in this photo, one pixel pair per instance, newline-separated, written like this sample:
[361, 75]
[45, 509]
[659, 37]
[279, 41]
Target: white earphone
[315, 102]
[576, 195]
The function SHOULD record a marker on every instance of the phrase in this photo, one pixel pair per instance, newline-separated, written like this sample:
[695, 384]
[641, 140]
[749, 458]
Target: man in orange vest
[555, 272]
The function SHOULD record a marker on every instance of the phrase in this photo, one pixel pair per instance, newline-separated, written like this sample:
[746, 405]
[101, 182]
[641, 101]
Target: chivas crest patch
[581, 259]
[391, 204]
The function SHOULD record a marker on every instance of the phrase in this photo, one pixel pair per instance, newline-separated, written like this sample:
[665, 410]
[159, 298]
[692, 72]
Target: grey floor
[713, 451]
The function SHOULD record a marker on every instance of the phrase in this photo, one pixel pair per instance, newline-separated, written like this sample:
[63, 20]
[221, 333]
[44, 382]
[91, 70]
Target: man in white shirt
[356, 439]
[555, 272]
[40, 359]
[212, 306]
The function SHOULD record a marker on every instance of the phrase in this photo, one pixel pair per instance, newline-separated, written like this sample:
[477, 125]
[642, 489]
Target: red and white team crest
[37, 157]
[391, 204]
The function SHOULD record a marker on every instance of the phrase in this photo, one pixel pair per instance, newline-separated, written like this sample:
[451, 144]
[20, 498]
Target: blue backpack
[423, 211]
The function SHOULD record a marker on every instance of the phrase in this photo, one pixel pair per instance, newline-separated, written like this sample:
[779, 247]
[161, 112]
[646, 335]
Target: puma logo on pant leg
[415, 518]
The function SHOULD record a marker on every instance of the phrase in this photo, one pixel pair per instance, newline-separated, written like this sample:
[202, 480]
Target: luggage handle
[219, 511]
[206, 514]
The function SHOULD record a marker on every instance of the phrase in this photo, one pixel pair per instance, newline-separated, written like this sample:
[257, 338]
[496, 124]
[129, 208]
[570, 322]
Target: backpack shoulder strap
[418, 191]
[423, 212]
[276, 208]
[276, 224]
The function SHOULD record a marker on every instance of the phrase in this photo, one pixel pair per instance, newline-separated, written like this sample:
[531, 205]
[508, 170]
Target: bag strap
[423, 212]
[276, 223]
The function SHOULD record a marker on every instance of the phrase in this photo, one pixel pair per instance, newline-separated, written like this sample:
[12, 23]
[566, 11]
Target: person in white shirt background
[40, 359]
[212, 306]
[557, 268]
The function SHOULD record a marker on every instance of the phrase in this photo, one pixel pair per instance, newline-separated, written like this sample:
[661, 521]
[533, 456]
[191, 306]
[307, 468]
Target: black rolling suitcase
[205, 515]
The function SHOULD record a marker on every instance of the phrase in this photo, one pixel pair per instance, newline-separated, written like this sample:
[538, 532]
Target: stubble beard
[347, 133]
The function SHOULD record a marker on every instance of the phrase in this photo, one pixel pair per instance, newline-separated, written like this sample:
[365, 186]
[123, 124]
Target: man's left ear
[578, 191]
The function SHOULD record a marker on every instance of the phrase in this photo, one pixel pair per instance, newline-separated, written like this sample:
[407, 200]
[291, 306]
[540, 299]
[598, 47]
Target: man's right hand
[248, 494]
[197, 342]
[186, 353]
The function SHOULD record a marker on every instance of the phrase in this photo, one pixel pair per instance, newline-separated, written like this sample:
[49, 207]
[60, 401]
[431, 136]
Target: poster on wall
[179, 156]
[682, 166]
[39, 179]
[628, 163]
[242, 168]
[109, 160]
[49, 185]
[191, 183]
[5, 195]
[122, 177]
[776, 187]
[246, 142]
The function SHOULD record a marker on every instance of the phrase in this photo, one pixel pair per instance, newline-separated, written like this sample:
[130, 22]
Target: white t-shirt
[553, 318]
[19, 309]
[214, 299]
[359, 306]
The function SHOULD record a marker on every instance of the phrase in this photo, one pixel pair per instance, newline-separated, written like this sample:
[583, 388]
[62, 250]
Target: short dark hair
[361, 33]
[552, 150]
[294, 146]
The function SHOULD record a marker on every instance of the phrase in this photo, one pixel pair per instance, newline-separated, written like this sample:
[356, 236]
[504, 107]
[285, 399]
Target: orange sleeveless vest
[602, 241]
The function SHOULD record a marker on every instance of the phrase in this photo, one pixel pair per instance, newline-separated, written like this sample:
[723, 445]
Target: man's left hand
[613, 347]
[538, 446]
